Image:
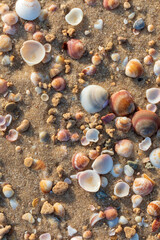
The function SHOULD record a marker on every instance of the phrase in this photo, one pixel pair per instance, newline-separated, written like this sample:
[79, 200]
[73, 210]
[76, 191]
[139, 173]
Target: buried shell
[121, 189]
[32, 52]
[93, 98]
[79, 161]
[153, 95]
[75, 48]
[134, 68]
[8, 191]
[142, 186]
[89, 180]
[28, 9]
[122, 103]
[124, 148]
[123, 124]
[145, 123]
[74, 17]
[103, 164]
[117, 170]
[45, 185]
[136, 200]
[154, 157]
[153, 208]
[5, 43]
[111, 4]
[10, 18]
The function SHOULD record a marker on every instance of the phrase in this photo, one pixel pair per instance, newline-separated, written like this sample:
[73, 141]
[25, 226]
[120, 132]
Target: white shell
[32, 52]
[99, 24]
[117, 170]
[89, 180]
[77, 238]
[103, 164]
[45, 236]
[74, 17]
[71, 231]
[28, 217]
[92, 135]
[123, 220]
[145, 144]
[28, 9]
[128, 171]
[94, 219]
[153, 95]
[151, 107]
[157, 68]
[121, 189]
[154, 157]
[136, 200]
[94, 98]
[104, 182]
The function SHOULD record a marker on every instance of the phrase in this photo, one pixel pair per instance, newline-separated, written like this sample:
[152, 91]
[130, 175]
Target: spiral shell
[123, 124]
[136, 200]
[75, 48]
[124, 148]
[145, 123]
[45, 185]
[134, 68]
[142, 186]
[153, 208]
[122, 103]
[111, 4]
[93, 98]
[103, 164]
[8, 191]
[59, 209]
[79, 161]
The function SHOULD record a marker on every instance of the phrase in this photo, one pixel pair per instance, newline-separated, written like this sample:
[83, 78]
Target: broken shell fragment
[94, 98]
[157, 68]
[32, 52]
[74, 17]
[121, 189]
[94, 219]
[89, 180]
[136, 200]
[142, 186]
[154, 157]
[124, 148]
[117, 170]
[46, 185]
[153, 208]
[153, 95]
[28, 9]
[8, 191]
[5, 43]
[75, 48]
[12, 135]
[92, 135]
[90, 70]
[103, 164]
[123, 124]
[145, 144]
[3, 85]
[10, 18]
[111, 4]
[134, 68]
[79, 161]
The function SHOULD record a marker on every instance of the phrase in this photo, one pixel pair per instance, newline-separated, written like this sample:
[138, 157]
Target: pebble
[28, 162]
[113, 223]
[129, 232]
[47, 208]
[44, 137]
[60, 188]
[101, 195]
[87, 234]
[23, 127]
[123, 220]
[71, 231]
[139, 24]
[132, 15]
[138, 219]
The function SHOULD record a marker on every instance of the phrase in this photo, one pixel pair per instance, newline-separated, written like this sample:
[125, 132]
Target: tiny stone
[132, 15]
[151, 43]
[129, 232]
[139, 24]
[28, 162]
[47, 208]
[18, 149]
[60, 188]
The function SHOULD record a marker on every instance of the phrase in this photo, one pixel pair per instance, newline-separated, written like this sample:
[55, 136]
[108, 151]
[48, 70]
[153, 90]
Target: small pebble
[60, 188]
[127, 5]
[139, 24]
[131, 16]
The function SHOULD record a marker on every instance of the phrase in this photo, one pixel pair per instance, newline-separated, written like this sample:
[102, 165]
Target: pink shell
[142, 186]
[12, 135]
[63, 135]
[79, 161]
[75, 48]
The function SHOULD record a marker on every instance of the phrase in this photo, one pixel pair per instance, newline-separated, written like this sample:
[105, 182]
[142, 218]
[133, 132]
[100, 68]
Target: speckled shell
[75, 48]
[122, 103]
[145, 123]
[111, 4]
[153, 208]
[28, 9]
[142, 186]
[93, 98]
[134, 68]
[103, 164]
[80, 161]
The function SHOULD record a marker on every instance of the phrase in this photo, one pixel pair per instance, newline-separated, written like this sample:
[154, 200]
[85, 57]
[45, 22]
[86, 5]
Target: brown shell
[153, 208]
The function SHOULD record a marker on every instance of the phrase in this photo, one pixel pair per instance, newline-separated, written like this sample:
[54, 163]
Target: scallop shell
[153, 95]
[93, 98]
[134, 68]
[154, 157]
[79, 161]
[124, 148]
[89, 180]
[74, 17]
[121, 189]
[8, 191]
[153, 208]
[5, 43]
[157, 68]
[142, 186]
[32, 52]
[10, 18]
[136, 200]
[117, 170]
[28, 9]
[103, 164]
[46, 185]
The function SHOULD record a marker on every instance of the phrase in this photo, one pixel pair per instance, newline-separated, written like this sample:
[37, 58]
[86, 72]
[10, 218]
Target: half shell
[89, 180]
[103, 164]
[74, 17]
[28, 9]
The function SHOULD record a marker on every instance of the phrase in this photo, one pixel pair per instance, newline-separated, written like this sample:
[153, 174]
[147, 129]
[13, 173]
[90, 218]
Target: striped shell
[134, 68]
[153, 208]
[79, 161]
[142, 186]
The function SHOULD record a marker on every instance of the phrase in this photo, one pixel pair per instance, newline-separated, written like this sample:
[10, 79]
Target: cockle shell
[46, 185]
[122, 103]
[121, 189]
[32, 52]
[89, 180]
[75, 48]
[154, 157]
[111, 4]
[93, 98]
[79, 161]
[124, 148]
[134, 68]
[142, 186]
[145, 123]
[94, 219]
[28, 217]
[136, 200]
[157, 68]
[8, 191]
[153, 208]
[123, 124]
[117, 170]
[153, 95]
[28, 9]
[5, 43]
[74, 17]
[10, 18]
[103, 164]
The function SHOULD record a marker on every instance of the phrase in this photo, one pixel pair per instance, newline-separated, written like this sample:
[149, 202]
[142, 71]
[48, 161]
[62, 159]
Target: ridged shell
[103, 164]
[93, 98]
[89, 180]
[153, 208]
[123, 124]
[117, 170]
[136, 200]
[124, 148]
[121, 189]
[134, 68]
[46, 185]
[28, 9]
[79, 161]
[142, 186]
[154, 157]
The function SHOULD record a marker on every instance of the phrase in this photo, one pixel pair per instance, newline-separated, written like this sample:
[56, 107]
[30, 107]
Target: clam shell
[121, 189]
[153, 95]
[79, 161]
[89, 180]
[142, 186]
[59, 209]
[10, 18]
[123, 124]
[154, 157]
[134, 68]
[28, 9]
[32, 52]
[92, 135]
[136, 200]
[124, 148]
[103, 164]
[157, 68]
[145, 144]
[117, 170]
[93, 98]
[5, 43]
[111, 4]
[128, 171]
[153, 208]
[74, 17]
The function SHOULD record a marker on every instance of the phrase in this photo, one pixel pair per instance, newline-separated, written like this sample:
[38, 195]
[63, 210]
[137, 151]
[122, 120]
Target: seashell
[32, 52]
[46, 185]
[92, 135]
[38, 36]
[145, 144]
[151, 107]
[71, 231]
[115, 57]
[23, 127]
[153, 208]
[75, 48]
[93, 154]
[152, 52]
[129, 179]
[136, 200]
[121, 189]
[3, 85]
[111, 4]
[75, 137]
[43, 15]
[104, 182]
[63, 135]
[103, 164]
[14, 97]
[123, 220]
[28, 9]
[45, 236]
[38, 165]
[30, 27]
[5, 43]
[8, 119]
[98, 24]
[47, 47]
[108, 118]
[117, 170]
[43, 137]
[142, 186]
[3, 128]
[157, 68]
[123, 124]
[111, 213]
[124, 148]
[90, 2]
[10, 30]
[128, 171]
[134, 68]
[12, 135]
[28, 217]
[122, 103]
[59, 210]
[2, 120]
[3, 8]
[47, 58]
[154, 157]
[74, 17]
[77, 238]
[58, 84]
[87, 234]
[79, 161]
[93, 98]
[90, 70]
[14, 204]
[148, 60]
[84, 141]
[56, 69]
[153, 95]
[96, 59]
[155, 224]
[145, 123]
[36, 78]
[8, 191]
[94, 219]
[150, 28]
[10, 18]
[89, 180]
